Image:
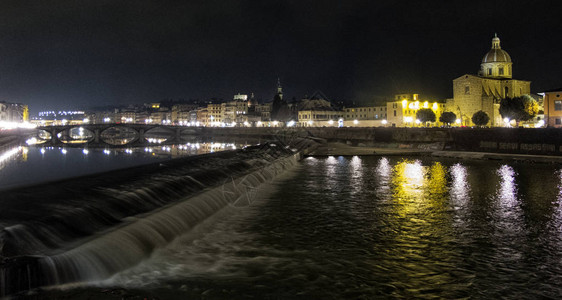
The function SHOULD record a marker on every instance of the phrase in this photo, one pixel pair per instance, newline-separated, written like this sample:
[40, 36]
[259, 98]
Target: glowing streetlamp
[506, 121]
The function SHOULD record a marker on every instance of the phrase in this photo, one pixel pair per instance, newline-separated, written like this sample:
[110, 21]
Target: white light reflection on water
[414, 174]
[508, 212]
[331, 164]
[460, 189]
[507, 192]
[6, 156]
[384, 173]
[356, 174]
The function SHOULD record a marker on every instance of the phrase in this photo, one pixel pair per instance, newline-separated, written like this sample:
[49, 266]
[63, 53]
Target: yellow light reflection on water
[436, 190]
[417, 188]
[407, 183]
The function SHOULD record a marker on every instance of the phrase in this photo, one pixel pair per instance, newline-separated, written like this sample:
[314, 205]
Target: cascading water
[117, 223]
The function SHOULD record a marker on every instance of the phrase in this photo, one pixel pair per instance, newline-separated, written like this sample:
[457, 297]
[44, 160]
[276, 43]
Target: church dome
[496, 54]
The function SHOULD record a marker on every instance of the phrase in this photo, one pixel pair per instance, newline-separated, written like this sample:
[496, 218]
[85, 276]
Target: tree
[425, 115]
[448, 117]
[531, 106]
[480, 118]
[521, 108]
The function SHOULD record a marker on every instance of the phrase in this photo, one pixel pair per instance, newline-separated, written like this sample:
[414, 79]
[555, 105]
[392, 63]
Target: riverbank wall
[537, 141]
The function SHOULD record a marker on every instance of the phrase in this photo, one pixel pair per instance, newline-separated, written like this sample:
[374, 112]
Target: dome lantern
[497, 62]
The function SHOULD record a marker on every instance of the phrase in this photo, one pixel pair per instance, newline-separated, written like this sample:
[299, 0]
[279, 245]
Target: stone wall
[502, 140]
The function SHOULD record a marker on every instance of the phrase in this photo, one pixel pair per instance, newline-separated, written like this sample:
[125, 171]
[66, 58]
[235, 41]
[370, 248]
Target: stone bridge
[172, 134]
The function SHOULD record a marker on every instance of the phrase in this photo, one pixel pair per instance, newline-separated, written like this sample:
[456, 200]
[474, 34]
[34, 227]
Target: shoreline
[342, 149]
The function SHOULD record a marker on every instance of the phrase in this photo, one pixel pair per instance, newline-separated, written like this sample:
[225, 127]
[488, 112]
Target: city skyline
[60, 55]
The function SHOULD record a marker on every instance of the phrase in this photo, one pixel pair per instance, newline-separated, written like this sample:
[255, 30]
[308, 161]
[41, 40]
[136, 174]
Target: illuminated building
[402, 111]
[46, 118]
[317, 113]
[484, 91]
[14, 112]
[365, 113]
[553, 107]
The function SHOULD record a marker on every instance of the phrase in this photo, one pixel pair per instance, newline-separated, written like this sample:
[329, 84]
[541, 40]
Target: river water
[375, 227]
[369, 227]
[22, 165]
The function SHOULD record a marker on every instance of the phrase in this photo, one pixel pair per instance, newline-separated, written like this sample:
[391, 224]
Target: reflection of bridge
[171, 133]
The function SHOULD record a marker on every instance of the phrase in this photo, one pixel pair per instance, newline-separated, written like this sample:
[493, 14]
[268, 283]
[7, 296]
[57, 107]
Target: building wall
[472, 93]
[309, 118]
[402, 112]
[365, 113]
[552, 111]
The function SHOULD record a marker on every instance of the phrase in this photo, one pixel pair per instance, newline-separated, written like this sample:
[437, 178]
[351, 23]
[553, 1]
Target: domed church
[484, 91]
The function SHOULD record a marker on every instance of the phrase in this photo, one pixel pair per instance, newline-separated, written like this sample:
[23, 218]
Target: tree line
[523, 108]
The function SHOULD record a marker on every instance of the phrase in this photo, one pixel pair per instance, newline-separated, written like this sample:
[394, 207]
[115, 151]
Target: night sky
[76, 54]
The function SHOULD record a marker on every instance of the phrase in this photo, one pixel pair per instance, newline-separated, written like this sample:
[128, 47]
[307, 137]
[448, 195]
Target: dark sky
[74, 54]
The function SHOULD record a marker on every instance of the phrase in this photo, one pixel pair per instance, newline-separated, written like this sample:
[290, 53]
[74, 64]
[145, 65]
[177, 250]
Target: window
[558, 122]
[395, 113]
[500, 71]
[558, 105]
[467, 90]
[489, 71]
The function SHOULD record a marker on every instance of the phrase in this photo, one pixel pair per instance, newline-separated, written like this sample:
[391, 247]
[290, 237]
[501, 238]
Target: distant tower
[279, 89]
[252, 102]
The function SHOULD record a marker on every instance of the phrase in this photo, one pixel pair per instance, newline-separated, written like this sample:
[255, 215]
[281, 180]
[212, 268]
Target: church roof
[496, 54]
[315, 104]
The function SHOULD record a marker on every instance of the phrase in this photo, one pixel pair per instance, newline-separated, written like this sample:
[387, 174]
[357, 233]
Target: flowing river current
[367, 228]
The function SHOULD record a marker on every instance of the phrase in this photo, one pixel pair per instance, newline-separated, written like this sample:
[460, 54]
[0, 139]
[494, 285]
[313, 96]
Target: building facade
[403, 110]
[365, 113]
[14, 112]
[553, 107]
[484, 91]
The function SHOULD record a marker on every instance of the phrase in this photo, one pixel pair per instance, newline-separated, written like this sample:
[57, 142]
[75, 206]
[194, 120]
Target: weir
[119, 218]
